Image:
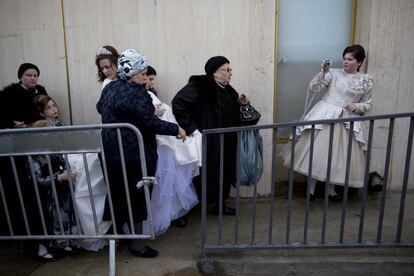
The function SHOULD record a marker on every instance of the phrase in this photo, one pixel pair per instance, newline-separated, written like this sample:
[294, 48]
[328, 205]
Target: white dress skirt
[178, 162]
[320, 156]
[174, 194]
[83, 201]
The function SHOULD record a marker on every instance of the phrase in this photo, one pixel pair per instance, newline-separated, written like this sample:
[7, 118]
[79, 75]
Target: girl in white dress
[348, 95]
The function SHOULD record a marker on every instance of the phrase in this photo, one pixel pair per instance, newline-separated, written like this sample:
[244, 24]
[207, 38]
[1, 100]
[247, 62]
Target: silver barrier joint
[149, 180]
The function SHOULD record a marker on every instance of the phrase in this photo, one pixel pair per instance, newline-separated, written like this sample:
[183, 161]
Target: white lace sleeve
[364, 83]
[320, 81]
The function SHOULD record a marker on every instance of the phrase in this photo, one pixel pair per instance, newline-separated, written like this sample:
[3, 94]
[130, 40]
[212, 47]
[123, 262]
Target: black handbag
[249, 115]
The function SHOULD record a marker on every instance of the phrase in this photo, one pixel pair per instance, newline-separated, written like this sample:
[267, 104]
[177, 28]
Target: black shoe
[312, 197]
[61, 252]
[335, 198]
[44, 259]
[375, 188]
[147, 252]
[69, 250]
[226, 211]
[181, 222]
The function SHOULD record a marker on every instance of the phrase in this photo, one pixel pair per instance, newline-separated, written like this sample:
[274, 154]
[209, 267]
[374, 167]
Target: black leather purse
[249, 115]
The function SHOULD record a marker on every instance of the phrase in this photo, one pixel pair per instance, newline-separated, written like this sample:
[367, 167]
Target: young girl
[58, 176]
[48, 109]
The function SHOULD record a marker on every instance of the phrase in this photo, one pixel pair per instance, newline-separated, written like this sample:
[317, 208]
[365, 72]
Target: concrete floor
[180, 247]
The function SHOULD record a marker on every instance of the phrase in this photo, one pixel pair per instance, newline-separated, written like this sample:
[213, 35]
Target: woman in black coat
[16, 110]
[206, 102]
[127, 101]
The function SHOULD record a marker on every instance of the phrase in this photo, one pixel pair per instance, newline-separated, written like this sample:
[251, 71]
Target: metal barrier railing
[18, 150]
[275, 227]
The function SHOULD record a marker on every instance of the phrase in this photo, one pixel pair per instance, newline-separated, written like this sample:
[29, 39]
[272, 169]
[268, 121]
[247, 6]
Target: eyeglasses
[228, 70]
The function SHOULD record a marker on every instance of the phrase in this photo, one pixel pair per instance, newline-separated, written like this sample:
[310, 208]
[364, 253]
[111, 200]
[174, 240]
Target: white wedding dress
[178, 162]
[83, 201]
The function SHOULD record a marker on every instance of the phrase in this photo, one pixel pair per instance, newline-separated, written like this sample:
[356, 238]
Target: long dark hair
[100, 56]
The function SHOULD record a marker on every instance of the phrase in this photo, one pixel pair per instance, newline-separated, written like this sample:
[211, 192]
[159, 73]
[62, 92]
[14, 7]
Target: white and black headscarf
[131, 62]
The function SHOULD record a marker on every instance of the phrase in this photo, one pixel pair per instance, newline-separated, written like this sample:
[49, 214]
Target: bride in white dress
[178, 162]
[348, 94]
[106, 62]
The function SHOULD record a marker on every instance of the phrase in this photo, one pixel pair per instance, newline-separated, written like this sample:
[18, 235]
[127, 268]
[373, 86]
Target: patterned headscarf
[131, 62]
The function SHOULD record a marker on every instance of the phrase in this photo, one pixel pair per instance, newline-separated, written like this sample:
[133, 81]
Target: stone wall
[62, 37]
[385, 28]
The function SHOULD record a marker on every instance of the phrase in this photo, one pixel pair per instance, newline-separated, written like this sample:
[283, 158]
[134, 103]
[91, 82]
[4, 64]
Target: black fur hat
[25, 66]
[214, 63]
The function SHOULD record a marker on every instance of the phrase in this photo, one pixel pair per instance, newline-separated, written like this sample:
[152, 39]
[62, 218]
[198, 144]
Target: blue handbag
[251, 157]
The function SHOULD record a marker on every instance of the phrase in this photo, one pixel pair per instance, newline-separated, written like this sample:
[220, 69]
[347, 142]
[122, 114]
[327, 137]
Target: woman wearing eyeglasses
[209, 101]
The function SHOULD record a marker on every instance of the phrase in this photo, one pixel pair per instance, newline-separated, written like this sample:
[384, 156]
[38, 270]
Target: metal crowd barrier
[276, 228]
[19, 146]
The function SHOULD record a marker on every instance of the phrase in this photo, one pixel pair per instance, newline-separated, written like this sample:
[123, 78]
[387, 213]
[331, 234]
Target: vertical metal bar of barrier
[146, 181]
[221, 188]
[149, 211]
[254, 190]
[19, 193]
[347, 171]
[327, 182]
[305, 230]
[55, 195]
[6, 209]
[236, 222]
[405, 180]
[272, 186]
[112, 257]
[365, 188]
[203, 195]
[72, 189]
[290, 192]
[36, 189]
[107, 185]
[91, 196]
[385, 183]
[124, 174]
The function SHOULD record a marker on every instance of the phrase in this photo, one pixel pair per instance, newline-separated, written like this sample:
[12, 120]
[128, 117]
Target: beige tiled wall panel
[31, 31]
[176, 36]
[385, 27]
[179, 36]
